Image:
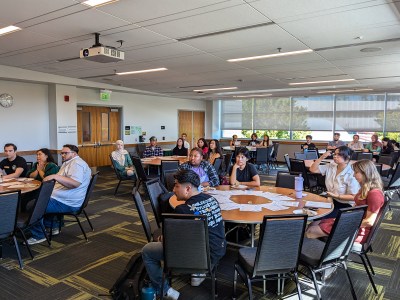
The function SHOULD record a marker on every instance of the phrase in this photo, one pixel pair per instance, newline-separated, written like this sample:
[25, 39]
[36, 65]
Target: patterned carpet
[75, 269]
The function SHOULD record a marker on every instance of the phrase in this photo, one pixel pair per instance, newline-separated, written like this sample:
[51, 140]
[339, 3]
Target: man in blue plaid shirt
[153, 149]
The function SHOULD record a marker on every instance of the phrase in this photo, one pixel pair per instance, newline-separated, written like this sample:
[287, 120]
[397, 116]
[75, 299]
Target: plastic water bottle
[148, 293]
[1, 176]
[305, 151]
[298, 186]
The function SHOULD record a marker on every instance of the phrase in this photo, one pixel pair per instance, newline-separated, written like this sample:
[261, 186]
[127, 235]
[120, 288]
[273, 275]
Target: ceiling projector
[102, 54]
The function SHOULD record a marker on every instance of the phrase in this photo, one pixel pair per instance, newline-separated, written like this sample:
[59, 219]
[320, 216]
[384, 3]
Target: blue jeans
[54, 206]
[152, 254]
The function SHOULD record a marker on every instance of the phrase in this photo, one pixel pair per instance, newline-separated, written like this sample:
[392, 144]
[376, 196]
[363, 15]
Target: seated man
[69, 192]
[332, 145]
[186, 189]
[153, 149]
[13, 166]
[356, 144]
[308, 145]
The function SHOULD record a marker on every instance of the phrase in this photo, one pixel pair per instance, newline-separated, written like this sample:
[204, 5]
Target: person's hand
[332, 195]
[326, 154]
[40, 166]
[305, 147]
[160, 238]
[50, 177]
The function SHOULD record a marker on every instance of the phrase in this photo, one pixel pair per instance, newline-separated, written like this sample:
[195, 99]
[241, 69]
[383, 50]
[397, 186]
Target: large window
[319, 116]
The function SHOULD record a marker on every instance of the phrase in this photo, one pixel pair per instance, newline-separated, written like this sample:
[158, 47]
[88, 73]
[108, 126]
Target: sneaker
[33, 241]
[172, 294]
[196, 281]
[55, 231]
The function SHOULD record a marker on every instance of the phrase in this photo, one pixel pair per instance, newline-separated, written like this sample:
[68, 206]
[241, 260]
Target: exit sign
[105, 95]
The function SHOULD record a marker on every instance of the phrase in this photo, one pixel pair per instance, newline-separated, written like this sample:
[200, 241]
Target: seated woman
[375, 146]
[205, 170]
[243, 172]
[202, 144]
[266, 142]
[180, 149]
[44, 166]
[369, 194]
[253, 142]
[234, 142]
[214, 151]
[339, 178]
[122, 159]
[308, 145]
[387, 146]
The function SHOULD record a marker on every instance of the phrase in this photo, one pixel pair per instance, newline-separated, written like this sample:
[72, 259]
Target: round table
[232, 148]
[156, 160]
[24, 184]
[256, 217]
[309, 162]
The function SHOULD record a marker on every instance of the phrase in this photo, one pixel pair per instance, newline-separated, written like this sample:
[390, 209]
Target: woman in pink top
[202, 144]
[370, 194]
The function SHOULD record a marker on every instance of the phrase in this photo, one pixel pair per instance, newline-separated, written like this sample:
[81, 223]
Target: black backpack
[130, 282]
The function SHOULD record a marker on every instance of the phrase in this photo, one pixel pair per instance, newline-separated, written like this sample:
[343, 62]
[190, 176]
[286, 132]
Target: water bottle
[305, 151]
[1, 176]
[298, 186]
[148, 293]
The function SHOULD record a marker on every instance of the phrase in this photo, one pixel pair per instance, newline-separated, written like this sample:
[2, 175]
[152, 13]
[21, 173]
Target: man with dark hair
[153, 149]
[69, 192]
[13, 166]
[308, 145]
[186, 189]
[332, 145]
[355, 144]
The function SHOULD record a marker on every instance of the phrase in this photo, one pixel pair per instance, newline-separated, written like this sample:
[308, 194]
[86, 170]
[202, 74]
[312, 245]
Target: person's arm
[343, 197]
[375, 201]
[232, 176]
[65, 181]
[369, 219]
[128, 161]
[212, 175]
[51, 169]
[315, 166]
[32, 173]
[16, 174]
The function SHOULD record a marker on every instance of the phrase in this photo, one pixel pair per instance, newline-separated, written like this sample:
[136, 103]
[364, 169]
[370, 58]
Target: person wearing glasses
[69, 192]
[339, 178]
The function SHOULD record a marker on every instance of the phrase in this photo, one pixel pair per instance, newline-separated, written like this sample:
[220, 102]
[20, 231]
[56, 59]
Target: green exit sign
[105, 95]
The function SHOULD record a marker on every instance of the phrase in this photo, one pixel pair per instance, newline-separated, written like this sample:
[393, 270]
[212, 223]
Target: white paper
[274, 206]
[289, 203]
[249, 207]
[318, 204]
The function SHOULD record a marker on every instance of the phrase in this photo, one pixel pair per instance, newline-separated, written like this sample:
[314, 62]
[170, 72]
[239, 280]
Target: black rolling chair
[119, 177]
[152, 236]
[217, 164]
[274, 155]
[319, 256]
[379, 168]
[76, 214]
[300, 155]
[141, 148]
[363, 249]
[312, 154]
[29, 164]
[140, 173]
[187, 251]
[155, 189]
[167, 165]
[286, 179]
[26, 220]
[310, 182]
[394, 180]
[287, 160]
[278, 253]
[387, 160]
[227, 163]
[263, 158]
[9, 203]
[364, 155]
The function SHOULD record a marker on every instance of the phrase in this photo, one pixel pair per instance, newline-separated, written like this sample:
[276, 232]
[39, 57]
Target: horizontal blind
[236, 114]
[393, 113]
[272, 114]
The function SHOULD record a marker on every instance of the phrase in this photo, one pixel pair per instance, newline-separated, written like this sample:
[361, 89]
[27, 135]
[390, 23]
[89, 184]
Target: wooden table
[309, 162]
[26, 185]
[253, 218]
[156, 160]
[232, 148]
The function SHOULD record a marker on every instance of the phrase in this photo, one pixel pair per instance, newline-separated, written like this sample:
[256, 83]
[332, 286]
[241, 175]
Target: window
[312, 113]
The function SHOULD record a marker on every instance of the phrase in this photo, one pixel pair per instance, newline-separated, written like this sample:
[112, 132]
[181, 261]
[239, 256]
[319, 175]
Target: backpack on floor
[130, 282]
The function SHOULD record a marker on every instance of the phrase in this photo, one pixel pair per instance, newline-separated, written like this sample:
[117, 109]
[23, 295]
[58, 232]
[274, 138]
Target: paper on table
[8, 183]
[16, 186]
[318, 204]
[289, 203]
[229, 206]
[249, 207]
[24, 179]
[274, 206]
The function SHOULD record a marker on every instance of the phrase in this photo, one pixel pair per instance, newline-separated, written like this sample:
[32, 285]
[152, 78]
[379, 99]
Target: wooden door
[98, 128]
[192, 123]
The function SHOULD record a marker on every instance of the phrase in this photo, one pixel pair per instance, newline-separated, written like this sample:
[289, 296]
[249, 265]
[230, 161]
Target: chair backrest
[29, 164]
[89, 190]
[167, 165]
[113, 163]
[364, 155]
[186, 244]
[41, 202]
[386, 159]
[227, 162]
[343, 234]
[155, 189]
[141, 149]
[379, 168]
[217, 164]
[394, 180]
[286, 179]
[169, 180]
[280, 242]
[9, 203]
[262, 156]
[354, 154]
[298, 165]
[140, 173]
[142, 215]
[287, 160]
[300, 155]
[312, 154]
[276, 148]
[381, 215]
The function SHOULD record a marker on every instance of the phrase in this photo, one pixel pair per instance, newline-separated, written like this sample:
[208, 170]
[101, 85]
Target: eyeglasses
[65, 153]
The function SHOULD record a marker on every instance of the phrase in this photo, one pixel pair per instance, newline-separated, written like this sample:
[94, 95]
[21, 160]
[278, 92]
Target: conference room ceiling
[193, 39]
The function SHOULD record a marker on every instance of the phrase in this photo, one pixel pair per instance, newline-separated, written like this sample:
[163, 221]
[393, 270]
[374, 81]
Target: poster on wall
[132, 133]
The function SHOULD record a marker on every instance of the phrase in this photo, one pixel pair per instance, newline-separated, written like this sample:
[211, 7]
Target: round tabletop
[232, 148]
[309, 162]
[256, 217]
[24, 184]
[156, 160]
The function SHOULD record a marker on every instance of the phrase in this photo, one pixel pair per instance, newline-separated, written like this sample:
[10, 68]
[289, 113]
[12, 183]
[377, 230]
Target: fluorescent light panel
[93, 3]
[324, 81]
[141, 71]
[271, 55]
[342, 91]
[217, 89]
[247, 96]
[8, 29]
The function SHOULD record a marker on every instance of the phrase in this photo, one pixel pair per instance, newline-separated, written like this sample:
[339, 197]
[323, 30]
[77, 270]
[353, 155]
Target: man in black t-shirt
[14, 166]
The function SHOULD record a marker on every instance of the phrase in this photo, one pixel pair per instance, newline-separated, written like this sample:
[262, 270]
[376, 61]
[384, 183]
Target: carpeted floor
[75, 269]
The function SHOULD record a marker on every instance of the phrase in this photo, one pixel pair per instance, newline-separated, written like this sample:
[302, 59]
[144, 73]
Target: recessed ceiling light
[217, 89]
[247, 96]
[141, 71]
[8, 29]
[324, 81]
[371, 49]
[98, 2]
[271, 55]
[343, 91]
